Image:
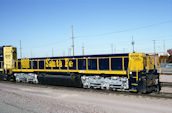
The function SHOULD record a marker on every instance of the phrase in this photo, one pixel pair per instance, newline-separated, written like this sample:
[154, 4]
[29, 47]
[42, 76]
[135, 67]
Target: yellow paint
[50, 63]
[1, 69]
[76, 64]
[16, 64]
[109, 63]
[136, 62]
[86, 63]
[123, 68]
[66, 62]
[31, 64]
[37, 64]
[134, 84]
[128, 74]
[150, 62]
[1, 63]
[79, 71]
[25, 63]
[97, 63]
[60, 64]
[57, 63]
[102, 72]
[70, 64]
[137, 76]
[9, 56]
[133, 90]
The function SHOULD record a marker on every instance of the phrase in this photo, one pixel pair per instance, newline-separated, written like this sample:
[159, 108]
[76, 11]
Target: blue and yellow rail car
[134, 72]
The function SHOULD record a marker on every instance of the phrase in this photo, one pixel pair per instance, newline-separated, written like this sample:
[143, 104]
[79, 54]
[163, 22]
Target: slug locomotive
[134, 72]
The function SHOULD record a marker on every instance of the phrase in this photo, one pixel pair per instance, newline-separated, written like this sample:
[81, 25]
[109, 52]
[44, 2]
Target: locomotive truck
[133, 72]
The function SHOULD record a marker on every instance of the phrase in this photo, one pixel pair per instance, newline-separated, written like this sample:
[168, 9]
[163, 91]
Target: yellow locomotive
[134, 72]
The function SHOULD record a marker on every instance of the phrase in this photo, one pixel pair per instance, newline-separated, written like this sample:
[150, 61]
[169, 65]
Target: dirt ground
[21, 98]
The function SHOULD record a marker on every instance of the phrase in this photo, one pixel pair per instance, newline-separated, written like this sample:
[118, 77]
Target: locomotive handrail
[34, 65]
[2, 64]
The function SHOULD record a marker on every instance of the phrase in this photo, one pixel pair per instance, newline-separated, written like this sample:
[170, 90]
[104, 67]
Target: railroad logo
[59, 63]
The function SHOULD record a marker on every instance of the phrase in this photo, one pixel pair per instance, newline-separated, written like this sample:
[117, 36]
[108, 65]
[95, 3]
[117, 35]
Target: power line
[112, 48]
[115, 49]
[125, 30]
[52, 52]
[133, 44]
[164, 45]
[154, 46]
[123, 50]
[20, 50]
[83, 49]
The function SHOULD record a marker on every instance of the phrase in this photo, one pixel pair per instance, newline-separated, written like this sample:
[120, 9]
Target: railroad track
[166, 84]
[106, 92]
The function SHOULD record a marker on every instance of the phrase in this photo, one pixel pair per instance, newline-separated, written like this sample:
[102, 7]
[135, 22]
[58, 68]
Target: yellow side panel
[136, 61]
[25, 63]
[8, 57]
[150, 63]
[79, 71]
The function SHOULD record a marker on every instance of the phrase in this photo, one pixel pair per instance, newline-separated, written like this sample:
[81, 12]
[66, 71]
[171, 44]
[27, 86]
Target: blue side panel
[41, 64]
[126, 60]
[92, 64]
[116, 63]
[104, 64]
[19, 65]
[82, 64]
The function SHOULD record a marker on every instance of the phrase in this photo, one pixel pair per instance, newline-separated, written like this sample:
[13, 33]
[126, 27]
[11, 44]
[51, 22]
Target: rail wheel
[143, 86]
[76, 79]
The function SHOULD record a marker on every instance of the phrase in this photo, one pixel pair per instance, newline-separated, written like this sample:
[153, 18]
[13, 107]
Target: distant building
[165, 57]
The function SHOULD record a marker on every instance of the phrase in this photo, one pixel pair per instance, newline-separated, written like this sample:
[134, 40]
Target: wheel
[144, 86]
[76, 79]
[158, 88]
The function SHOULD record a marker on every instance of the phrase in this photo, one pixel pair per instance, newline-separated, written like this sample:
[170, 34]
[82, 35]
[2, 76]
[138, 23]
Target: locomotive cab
[143, 74]
[8, 55]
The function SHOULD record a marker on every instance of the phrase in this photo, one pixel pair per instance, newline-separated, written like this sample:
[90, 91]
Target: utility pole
[164, 46]
[154, 51]
[73, 41]
[133, 44]
[52, 52]
[154, 46]
[112, 48]
[83, 49]
[20, 50]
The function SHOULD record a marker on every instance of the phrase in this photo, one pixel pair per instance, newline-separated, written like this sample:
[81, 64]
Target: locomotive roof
[80, 56]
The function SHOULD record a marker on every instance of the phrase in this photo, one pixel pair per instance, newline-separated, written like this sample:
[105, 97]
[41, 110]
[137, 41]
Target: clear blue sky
[46, 24]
